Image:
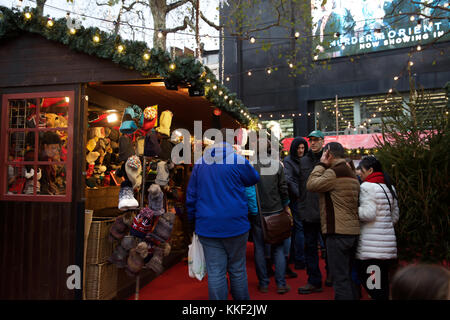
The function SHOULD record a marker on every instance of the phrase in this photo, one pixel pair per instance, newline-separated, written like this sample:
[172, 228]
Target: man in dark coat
[310, 214]
[299, 147]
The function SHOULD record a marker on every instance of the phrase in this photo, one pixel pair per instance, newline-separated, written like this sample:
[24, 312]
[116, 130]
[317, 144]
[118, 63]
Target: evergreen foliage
[415, 152]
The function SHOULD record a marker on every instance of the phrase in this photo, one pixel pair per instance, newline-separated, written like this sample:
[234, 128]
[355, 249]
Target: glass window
[36, 138]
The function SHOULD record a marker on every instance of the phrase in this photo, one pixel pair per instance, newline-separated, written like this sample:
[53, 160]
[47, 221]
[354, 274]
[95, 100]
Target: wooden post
[136, 296]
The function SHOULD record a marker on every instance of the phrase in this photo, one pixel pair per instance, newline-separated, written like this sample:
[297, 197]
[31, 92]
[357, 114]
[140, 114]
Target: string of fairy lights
[268, 70]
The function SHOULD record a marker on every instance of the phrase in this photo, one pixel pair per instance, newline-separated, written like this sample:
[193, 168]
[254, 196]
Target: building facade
[364, 71]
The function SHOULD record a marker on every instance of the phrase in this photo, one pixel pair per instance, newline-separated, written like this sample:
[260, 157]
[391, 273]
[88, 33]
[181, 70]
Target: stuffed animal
[55, 121]
[29, 184]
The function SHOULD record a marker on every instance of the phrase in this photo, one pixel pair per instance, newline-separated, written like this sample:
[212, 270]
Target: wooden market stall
[47, 88]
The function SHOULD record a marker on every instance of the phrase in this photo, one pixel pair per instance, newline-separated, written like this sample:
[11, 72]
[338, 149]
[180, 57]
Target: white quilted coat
[377, 239]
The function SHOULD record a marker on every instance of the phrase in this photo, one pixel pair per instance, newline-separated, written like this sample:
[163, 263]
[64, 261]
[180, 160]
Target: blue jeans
[260, 250]
[224, 255]
[298, 240]
[312, 231]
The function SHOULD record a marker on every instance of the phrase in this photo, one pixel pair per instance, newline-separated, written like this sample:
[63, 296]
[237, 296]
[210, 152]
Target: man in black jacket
[299, 147]
[310, 214]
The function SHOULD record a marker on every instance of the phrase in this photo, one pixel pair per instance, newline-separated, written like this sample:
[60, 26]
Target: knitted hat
[140, 142]
[126, 149]
[142, 249]
[118, 257]
[126, 199]
[165, 122]
[114, 135]
[91, 144]
[107, 132]
[163, 229]
[143, 221]
[92, 157]
[128, 125]
[135, 262]
[151, 146]
[118, 229]
[156, 199]
[150, 117]
[128, 243]
[133, 169]
[162, 176]
[166, 148]
[156, 263]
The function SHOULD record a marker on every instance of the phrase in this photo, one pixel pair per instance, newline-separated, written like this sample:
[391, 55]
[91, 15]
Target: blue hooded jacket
[216, 197]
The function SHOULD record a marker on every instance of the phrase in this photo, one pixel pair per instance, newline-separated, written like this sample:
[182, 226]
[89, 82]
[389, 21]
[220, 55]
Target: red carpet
[175, 284]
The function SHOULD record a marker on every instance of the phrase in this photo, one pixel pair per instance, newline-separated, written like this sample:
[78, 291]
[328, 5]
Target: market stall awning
[354, 141]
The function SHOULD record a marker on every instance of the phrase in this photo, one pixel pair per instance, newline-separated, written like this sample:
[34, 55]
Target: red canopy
[353, 141]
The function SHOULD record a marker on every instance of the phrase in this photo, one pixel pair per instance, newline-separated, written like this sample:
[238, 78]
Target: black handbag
[277, 227]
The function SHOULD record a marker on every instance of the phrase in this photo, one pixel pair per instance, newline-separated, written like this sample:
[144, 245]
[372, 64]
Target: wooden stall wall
[39, 240]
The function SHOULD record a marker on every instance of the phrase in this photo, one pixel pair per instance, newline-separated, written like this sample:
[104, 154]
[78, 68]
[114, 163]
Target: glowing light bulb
[396, 78]
[112, 117]
[72, 30]
[252, 40]
[297, 34]
[27, 15]
[50, 23]
[146, 56]
[120, 48]
[96, 39]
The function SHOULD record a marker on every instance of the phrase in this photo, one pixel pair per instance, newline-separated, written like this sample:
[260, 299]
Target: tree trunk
[159, 12]
[40, 7]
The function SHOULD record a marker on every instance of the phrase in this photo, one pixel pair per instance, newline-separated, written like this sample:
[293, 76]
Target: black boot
[289, 272]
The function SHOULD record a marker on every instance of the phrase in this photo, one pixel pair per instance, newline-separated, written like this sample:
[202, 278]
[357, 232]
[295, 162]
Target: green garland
[155, 62]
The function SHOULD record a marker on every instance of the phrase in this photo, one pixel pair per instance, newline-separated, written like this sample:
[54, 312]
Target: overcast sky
[89, 7]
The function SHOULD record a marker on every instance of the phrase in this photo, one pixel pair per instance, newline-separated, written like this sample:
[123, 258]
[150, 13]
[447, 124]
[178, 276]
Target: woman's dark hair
[368, 162]
[421, 282]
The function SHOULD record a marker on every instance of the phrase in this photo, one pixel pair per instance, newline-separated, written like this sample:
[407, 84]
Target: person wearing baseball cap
[310, 214]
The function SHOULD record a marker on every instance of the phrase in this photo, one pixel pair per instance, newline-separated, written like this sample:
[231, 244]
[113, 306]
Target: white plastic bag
[196, 259]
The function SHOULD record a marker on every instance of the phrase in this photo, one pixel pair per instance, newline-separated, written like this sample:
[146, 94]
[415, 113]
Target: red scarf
[375, 177]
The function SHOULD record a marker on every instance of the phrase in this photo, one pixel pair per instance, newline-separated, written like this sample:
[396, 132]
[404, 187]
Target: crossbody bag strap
[259, 211]
[390, 208]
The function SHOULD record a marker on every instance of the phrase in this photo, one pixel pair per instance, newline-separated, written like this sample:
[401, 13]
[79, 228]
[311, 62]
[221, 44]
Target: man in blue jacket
[217, 203]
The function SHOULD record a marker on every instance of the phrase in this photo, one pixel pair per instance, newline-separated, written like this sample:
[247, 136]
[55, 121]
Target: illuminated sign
[349, 27]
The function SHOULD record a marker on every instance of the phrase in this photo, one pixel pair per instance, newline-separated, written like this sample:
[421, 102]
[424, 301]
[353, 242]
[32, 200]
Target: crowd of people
[352, 211]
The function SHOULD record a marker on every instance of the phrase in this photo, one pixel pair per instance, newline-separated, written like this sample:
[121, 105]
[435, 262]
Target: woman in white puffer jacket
[378, 212]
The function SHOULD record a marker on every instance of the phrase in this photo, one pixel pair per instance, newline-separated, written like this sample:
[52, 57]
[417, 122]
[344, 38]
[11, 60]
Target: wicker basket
[101, 281]
[102, 197]
[99, 248]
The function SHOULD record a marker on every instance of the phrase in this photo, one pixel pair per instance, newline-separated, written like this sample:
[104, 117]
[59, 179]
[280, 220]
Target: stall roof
[32, 54]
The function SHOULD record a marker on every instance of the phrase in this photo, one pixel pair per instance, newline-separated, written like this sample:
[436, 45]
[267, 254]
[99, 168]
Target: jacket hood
[220, 149]
[294, 146]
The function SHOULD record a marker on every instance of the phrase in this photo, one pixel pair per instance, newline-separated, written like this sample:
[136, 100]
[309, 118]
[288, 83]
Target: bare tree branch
[175, 5]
